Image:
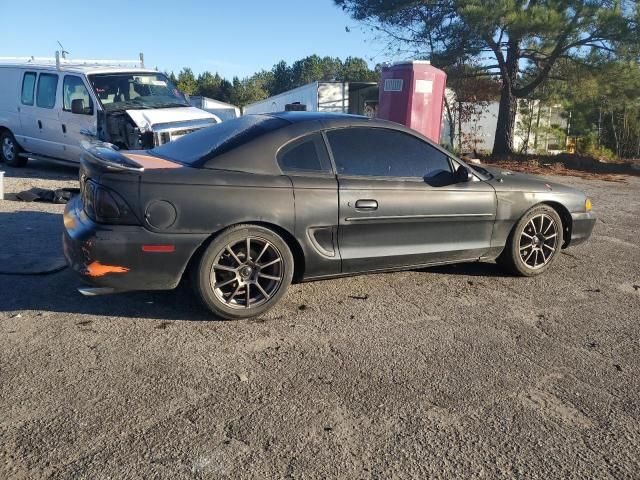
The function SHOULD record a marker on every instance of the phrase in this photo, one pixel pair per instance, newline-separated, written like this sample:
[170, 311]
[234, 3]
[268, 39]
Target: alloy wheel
[538, 241]
[247, 273]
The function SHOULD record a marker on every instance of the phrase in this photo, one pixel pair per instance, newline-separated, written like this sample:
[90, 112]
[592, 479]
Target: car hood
[165, 117]
[508, 180]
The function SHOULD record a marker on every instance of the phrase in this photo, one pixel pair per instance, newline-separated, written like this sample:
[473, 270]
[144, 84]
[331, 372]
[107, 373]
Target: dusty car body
[300, 193]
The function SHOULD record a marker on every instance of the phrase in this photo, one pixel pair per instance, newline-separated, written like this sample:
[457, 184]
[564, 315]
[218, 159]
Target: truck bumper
[581, 228]
[124, 257]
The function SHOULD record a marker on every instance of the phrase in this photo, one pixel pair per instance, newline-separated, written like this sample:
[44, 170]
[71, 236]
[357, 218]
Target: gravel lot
[447, 372]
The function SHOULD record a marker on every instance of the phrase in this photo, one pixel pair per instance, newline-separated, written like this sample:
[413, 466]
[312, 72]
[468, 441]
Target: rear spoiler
[110, 159]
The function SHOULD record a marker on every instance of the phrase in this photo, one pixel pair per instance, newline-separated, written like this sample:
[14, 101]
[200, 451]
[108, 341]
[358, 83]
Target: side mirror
[463, 174]
[77, 106]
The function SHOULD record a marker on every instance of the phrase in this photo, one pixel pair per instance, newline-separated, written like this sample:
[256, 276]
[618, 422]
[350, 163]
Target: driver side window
[381, 152]
[73, 88]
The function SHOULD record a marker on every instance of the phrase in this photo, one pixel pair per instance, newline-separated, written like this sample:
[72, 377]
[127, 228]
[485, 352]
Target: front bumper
[112, 255]
[581, 227]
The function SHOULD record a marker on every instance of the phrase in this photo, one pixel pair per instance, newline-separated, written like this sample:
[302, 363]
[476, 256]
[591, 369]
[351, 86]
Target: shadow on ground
[58, 293]
[32, 242]
[41, 170]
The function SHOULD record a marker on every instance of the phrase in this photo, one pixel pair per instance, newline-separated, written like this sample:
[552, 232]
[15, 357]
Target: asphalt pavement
[448, 372]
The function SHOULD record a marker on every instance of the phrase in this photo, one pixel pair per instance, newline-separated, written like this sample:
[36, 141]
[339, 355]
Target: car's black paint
[334, 225]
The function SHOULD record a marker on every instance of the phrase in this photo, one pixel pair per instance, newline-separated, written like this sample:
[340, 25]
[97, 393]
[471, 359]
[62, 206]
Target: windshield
[122, 91]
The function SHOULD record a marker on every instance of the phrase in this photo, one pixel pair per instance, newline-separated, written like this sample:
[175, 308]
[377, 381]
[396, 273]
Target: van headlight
[587, 204]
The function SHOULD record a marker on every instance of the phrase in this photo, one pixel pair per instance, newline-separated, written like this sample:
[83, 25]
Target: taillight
[88, 198]
[106, 206]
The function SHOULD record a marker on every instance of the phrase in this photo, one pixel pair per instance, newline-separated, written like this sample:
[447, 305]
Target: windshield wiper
[170, 105]
[127, 104]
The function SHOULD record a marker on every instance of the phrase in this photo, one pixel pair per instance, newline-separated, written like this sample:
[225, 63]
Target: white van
[49, 106]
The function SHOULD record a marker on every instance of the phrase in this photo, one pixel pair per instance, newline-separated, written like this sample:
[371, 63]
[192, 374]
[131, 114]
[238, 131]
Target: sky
[234, 38]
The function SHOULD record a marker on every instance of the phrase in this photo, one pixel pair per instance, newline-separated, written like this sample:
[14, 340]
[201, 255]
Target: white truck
[360, 98]
[49, 106]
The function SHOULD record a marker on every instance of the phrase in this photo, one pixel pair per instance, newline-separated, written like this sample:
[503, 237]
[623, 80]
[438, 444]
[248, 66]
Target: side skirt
[392, 269]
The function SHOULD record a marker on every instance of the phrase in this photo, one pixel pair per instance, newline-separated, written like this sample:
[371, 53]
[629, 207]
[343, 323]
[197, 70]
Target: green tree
[172, 77]
[213, 86]
[605, 107]
[186, 81]
[519, 41]
[356, 70]
[281, 78]
[249, 90]
[315, 69]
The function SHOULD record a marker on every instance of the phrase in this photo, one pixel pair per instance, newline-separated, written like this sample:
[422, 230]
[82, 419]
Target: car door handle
[39, 124]
[366, 205]
[64, 128]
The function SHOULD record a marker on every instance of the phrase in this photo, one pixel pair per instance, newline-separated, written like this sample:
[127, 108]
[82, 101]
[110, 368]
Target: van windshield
[124, 91]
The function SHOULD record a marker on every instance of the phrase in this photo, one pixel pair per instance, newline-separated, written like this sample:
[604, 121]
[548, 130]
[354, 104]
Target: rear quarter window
[308, 155]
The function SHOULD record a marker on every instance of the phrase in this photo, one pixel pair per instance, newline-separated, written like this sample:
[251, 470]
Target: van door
[40, 120]
[77, 113]
[27, 137]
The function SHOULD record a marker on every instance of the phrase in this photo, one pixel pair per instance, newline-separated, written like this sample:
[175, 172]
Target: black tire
[265, 275]
[534, 243]
[10, 150]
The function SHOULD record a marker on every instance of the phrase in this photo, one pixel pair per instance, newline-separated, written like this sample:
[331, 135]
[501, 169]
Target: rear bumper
[581, 228]
[112, 255]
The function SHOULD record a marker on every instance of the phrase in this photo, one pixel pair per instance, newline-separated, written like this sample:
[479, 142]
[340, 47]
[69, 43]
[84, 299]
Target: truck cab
[47, 111]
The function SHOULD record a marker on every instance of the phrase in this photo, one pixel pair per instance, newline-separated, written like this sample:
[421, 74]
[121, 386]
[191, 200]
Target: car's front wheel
[243, 272]
[534, 243]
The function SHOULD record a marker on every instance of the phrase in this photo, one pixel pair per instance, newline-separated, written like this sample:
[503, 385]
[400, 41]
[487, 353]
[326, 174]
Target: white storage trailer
[222, 110]
[339, 97]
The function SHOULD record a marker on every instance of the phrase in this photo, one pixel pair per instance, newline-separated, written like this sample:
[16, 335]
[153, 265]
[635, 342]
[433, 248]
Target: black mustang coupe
[246, 206]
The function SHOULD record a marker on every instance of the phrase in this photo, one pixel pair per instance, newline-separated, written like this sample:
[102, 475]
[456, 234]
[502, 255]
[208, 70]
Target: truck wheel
[10, 151]
[243, 272]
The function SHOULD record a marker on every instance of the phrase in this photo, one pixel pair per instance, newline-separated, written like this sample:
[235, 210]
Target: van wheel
[10, 151]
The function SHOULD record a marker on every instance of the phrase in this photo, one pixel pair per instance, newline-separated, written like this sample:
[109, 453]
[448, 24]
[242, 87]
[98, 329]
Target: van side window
[46, 94]
[28, 85]
[73, 89]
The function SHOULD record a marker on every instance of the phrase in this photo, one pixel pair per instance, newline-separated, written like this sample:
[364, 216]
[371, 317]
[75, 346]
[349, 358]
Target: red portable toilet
[412, 93]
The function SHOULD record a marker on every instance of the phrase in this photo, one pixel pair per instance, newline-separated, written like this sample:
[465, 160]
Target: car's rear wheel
[10, 150]
[534, 243]
[244, 272]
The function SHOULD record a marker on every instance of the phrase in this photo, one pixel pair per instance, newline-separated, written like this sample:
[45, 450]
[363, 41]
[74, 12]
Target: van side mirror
[463, 174]
[77, 106]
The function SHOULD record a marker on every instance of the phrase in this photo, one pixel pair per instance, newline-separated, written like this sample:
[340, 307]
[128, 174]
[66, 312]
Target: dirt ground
[448, 372]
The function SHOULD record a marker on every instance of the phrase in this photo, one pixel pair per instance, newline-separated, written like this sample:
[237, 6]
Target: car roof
[250, 143]
[326, 117]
